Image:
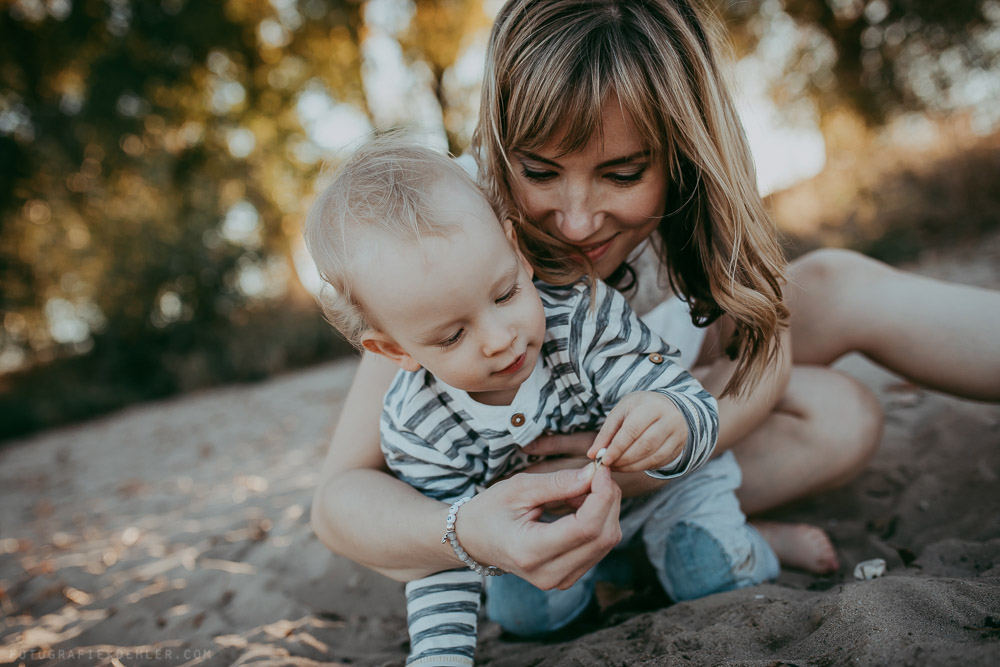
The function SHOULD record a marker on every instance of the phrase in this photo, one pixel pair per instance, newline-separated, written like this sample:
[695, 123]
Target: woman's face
[604, 199]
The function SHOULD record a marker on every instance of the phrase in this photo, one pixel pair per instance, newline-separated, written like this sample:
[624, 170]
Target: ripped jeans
[694, 535]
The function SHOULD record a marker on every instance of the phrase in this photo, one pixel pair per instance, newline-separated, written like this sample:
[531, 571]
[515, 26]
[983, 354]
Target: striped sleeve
[441, 609]
[621, 355]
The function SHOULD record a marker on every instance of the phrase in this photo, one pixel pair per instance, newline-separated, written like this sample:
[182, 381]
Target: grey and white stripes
[446, 445]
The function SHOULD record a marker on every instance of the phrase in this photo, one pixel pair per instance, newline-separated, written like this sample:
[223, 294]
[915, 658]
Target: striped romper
[446, 445]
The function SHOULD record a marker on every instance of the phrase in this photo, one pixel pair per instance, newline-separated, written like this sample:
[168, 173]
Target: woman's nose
[576, 219]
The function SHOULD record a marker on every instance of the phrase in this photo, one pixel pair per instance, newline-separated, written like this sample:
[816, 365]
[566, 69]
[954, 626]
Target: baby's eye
[451, 340]
[510, 294]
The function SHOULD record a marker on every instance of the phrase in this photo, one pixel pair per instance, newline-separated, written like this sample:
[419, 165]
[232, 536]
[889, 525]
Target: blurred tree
[152, 171]
[157, 156]
[434, 36]
[878, 58]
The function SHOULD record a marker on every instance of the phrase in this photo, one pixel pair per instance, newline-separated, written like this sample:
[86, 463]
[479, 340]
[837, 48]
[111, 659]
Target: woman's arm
[361, 512]
[739, 415]
[355, 491]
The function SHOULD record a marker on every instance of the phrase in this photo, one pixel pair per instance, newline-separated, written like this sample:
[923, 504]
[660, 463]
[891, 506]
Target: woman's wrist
[451, 537]
[401, 534]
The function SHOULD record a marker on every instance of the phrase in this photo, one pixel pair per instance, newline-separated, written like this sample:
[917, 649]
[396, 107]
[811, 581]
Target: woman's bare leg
[938, 334]
[822, 434]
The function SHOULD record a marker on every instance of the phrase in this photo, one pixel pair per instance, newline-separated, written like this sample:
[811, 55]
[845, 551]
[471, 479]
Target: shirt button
[656, 358]
[517, 420]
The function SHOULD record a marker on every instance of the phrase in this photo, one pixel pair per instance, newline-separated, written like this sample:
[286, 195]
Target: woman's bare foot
[800, 545]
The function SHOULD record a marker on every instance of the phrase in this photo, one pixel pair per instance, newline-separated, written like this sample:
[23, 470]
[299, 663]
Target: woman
[605, 125]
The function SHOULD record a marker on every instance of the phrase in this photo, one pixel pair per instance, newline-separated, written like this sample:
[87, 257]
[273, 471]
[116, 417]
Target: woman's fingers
[557, 554]
[586, 556]
[547, 555]
[534, 490]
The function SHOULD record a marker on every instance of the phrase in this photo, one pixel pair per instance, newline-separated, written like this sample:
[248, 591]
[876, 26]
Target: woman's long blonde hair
[550, 68]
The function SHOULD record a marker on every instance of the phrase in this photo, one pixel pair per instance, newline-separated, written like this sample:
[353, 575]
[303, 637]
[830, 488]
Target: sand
[176, 533]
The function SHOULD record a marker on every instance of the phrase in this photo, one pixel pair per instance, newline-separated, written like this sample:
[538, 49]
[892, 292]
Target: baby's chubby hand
[645, 431]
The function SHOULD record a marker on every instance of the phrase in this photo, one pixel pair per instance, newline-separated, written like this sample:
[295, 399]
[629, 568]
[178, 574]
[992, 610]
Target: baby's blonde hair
[385, 188]
[551, 67]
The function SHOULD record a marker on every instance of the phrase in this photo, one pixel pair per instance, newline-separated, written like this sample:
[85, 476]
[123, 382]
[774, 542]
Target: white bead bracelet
[450, 536]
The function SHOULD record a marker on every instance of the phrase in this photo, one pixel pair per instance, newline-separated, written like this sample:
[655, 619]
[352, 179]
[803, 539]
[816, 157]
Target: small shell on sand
[869, 569]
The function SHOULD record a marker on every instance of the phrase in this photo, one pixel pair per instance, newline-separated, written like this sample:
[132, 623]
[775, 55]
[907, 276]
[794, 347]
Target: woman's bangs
[561, 105]
[638, 96]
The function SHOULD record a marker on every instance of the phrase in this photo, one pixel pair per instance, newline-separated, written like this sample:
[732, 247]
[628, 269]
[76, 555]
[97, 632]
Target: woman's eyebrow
[613, 162]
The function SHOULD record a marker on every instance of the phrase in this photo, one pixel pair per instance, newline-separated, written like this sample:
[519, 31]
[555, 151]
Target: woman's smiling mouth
[595, 251]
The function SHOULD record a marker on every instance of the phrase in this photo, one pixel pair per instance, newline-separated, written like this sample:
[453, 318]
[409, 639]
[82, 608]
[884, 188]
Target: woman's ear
[508, 230]
[379, 343]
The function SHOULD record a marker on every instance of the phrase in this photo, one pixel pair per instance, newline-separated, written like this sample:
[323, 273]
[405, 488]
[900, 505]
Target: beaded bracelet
[450, 536]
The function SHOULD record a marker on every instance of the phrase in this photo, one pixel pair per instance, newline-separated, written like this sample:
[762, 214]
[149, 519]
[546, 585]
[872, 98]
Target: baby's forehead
[426, 276]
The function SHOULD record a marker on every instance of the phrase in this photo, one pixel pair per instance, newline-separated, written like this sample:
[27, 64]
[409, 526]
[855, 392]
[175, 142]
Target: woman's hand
[569, 451]
[501, 526]
[555, 464]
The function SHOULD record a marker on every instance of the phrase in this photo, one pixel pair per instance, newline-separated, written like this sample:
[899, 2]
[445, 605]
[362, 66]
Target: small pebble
[869, 569]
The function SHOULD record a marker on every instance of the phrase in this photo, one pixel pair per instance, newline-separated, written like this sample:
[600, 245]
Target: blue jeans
[694, 534]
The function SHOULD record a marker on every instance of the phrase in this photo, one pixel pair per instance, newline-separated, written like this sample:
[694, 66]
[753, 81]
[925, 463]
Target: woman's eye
[451, 340]
[537, 175]
[627, 178]
[510, 294]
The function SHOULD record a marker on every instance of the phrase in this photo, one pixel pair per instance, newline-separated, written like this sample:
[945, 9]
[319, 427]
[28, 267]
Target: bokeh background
[157, 158]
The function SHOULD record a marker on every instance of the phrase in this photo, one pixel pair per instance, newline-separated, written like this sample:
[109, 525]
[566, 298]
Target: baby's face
[461, 305]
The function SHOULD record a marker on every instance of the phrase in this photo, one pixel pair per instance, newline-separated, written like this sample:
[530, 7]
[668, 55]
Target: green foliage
[877, 57]
[128, 132]
[154, 169]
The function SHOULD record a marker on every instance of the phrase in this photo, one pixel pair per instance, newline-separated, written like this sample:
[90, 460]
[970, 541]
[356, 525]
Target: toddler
[419, 269]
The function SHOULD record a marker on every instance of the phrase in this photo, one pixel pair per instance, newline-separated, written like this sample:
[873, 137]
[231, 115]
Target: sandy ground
[177, 533]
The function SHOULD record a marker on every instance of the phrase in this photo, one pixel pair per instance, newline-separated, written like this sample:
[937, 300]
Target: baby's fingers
[654, 449]
[607, 432]
[624, 441]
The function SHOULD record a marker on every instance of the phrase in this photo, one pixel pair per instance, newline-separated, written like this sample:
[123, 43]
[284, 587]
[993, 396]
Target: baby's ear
[379, 343]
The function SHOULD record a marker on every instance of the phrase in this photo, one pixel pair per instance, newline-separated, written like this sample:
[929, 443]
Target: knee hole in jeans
[696, 564]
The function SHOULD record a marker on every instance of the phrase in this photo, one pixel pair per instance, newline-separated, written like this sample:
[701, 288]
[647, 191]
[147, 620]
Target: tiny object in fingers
[600, 455]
